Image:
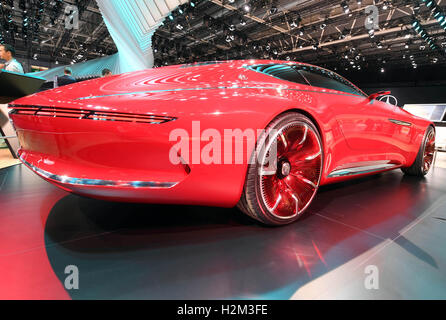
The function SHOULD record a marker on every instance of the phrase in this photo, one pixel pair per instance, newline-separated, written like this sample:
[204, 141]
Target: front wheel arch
[415, 169]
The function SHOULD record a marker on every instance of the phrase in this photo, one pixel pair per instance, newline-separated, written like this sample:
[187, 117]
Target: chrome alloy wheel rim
[287, 191]
[429, 151]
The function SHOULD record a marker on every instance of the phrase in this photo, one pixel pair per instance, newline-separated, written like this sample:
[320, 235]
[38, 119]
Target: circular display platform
[141, 251]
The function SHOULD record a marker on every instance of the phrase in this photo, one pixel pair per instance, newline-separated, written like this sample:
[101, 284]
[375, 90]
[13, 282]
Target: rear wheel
[425, 156]
[284, 177]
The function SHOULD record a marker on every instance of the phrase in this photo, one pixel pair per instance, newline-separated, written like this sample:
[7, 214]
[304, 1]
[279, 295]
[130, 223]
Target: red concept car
[172, 135]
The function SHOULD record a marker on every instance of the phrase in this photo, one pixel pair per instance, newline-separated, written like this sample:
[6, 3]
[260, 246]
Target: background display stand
[12, 87]
[435, 112]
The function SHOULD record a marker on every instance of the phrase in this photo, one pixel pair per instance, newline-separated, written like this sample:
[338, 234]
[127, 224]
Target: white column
[131, 24]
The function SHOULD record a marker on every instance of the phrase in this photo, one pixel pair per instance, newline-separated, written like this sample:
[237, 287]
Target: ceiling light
[230, 38]
[273, 8]
[345, 7]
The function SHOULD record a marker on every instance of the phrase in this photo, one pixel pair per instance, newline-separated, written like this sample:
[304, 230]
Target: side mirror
[373, 96]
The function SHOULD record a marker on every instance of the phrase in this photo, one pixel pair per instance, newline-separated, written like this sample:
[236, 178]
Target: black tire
[425, 154]
[253, 200]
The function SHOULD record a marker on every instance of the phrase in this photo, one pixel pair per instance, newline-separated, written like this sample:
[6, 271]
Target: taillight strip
[54, 112]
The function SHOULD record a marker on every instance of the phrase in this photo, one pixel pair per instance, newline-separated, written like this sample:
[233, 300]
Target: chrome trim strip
[215, 88]
[98, 182]
[361, 170]
[401, 123]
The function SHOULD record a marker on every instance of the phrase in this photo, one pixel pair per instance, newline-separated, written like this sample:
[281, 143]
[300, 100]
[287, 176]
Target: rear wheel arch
[308, 115]
[249, 200]
[270, 120]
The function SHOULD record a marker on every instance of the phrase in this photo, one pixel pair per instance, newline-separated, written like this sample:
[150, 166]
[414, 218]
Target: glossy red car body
[356, 132]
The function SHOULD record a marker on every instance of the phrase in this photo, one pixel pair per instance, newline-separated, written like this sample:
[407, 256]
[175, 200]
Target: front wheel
[284, 178]
[425, 156]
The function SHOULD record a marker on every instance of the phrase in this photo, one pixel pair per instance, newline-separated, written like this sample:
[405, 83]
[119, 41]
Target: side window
[326, 79]
[281, 71]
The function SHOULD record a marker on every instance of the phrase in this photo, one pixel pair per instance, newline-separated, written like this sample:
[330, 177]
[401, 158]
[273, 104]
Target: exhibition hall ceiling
[43, 30]
[334, 33]
[339, 34]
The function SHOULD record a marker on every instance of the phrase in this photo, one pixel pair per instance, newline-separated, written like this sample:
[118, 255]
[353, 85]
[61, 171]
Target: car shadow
[142, 251]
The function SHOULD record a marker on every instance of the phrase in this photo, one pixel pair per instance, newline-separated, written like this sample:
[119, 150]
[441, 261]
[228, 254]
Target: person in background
[106, 73]
[66, 79]
[7, 52]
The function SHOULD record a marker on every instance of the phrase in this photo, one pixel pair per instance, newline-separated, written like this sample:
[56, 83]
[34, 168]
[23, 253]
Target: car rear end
[96, 152]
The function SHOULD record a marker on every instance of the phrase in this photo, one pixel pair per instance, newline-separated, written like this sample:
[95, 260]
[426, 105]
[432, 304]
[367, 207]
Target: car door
[403, 131]
[365, 124]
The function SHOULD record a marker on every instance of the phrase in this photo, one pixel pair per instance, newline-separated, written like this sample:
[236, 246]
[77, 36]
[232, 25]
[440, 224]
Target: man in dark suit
[66, 79]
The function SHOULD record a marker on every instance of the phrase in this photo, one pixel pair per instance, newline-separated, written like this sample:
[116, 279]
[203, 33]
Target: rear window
[326, 79]
[280, 71]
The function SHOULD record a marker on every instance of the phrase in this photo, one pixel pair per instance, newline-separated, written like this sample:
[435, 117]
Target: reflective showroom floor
[390, 221]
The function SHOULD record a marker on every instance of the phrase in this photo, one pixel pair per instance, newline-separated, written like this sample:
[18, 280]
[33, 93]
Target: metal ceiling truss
[311, 31]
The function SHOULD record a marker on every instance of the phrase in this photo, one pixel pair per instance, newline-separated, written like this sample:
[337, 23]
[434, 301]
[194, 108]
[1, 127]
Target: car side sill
[362, 170]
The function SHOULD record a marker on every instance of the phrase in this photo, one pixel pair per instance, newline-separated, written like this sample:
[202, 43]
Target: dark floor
[395, 223]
